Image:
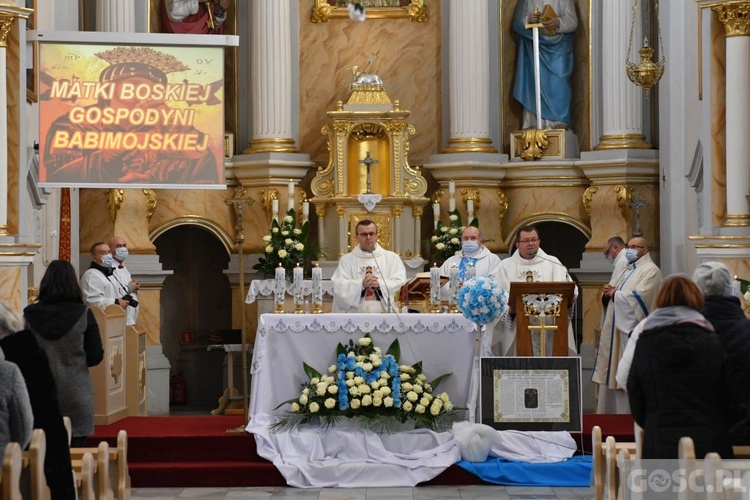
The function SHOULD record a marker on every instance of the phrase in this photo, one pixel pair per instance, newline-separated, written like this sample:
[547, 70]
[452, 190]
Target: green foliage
[288, 245]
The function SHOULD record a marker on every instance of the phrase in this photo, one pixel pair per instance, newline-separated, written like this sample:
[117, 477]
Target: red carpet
[198, 452]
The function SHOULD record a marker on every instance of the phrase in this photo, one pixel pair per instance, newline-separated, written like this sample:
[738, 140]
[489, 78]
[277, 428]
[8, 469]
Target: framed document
[531, 394]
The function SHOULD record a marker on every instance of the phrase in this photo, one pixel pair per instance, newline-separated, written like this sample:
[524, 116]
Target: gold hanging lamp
[647, 73]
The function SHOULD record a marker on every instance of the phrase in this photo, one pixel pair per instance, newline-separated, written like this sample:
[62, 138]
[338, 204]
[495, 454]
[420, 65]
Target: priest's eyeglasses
[606, 252]
[530, 240]
[367, 235]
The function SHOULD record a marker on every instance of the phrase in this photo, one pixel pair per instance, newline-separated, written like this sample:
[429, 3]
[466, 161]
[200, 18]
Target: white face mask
[631, 254]
[108, 261]
[121, 253]
[610, 259]
[469, 246]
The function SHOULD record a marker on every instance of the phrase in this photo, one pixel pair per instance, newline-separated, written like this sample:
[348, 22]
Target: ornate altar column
[271, 77]
[736, 20]
[622, 101]
[115, 15]
[468, 73]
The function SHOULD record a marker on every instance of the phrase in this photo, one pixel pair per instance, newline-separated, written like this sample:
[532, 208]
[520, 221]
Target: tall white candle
[275, 209]
[434, 284]
[436, 213]
[317, 285]
[297, 285]
[453, 283]
[305, 211]
[470, 206]
[290, 189]
[451, 187]
[451, 204]
[280, 288]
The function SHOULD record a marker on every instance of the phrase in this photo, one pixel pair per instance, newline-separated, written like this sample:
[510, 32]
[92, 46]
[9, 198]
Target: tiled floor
[420, 493]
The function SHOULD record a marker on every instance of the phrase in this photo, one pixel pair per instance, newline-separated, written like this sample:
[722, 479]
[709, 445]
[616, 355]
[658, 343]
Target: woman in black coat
[676, 382]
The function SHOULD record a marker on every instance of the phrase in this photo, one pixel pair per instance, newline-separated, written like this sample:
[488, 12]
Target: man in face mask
[476, 259]
[627, 300]
[124, 283]
[97, 283]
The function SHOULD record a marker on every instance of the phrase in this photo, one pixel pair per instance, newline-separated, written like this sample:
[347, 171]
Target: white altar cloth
[347, 456]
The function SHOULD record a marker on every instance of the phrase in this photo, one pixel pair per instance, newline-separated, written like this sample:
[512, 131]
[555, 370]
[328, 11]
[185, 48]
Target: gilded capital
[735, 18]
[6, 21]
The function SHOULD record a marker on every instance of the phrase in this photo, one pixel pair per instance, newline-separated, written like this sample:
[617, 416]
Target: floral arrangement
[481, 300]
[373, 388]
[447, 239]
[287, 244]
[745, 291]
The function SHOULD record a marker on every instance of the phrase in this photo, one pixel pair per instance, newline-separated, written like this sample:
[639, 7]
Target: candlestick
[317, 289]
[279, 289]
[453, 287]
[297, 290]
[275, 210]
[434, 288]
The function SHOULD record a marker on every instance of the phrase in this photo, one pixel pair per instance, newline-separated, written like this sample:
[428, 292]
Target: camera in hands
[131, 300]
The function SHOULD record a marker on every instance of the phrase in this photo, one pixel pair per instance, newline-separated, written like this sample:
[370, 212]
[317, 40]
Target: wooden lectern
[519, 289]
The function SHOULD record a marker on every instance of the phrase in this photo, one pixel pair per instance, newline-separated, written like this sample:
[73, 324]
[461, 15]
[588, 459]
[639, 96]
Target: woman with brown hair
[675, 385]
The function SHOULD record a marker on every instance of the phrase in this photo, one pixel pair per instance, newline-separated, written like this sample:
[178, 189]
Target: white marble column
[469, 79]
[271, 77]
[736, 20]
[622, 100]
[115, 16]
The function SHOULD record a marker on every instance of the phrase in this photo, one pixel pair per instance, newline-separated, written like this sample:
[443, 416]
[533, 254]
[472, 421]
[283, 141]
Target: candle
[436, 213]
[317, 285]
[471, 272]
[275, 209]
[434, 284]
[297, 285]
[305, 210]
[452, 204]
[737, 287]
[290, 189]
[451, 187]
[453, 283]
[470, 206]
[280, 288]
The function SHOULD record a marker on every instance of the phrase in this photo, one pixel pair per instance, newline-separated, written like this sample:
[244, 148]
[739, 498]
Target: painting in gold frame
[414, 10]
[32, 75]
[231, 117]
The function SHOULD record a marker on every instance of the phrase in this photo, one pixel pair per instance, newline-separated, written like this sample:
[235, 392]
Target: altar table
[445, 343]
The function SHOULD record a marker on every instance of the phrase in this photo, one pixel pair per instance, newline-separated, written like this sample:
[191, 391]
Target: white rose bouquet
[287, 244]
[372, 387]
[447, 238]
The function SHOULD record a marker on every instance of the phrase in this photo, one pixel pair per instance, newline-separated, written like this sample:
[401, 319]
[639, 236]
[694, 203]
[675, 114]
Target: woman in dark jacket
[676, 384]
[67, 331]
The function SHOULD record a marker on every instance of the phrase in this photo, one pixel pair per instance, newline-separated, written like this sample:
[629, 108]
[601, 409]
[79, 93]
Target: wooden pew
[101, 473]
[10, 485]
[84, 478]
[33, 480]
[119, 476]
[605, 460]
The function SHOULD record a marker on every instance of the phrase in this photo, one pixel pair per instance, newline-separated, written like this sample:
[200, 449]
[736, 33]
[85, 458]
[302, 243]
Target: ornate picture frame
[413, 10]
[32, 73]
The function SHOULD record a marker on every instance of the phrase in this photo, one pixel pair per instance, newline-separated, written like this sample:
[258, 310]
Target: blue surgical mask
[610, 259]
[108, 261]
[631, 254]
[121, 253]
[470, 246]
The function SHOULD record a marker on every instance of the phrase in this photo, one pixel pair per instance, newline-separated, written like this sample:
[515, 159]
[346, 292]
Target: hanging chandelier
[647, 73]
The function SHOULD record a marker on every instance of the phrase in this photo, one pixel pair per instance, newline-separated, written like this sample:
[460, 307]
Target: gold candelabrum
[647, 73]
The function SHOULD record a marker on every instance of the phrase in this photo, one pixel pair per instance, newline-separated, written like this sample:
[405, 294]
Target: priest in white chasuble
[628, 300]
[531, 263]
[368, 278]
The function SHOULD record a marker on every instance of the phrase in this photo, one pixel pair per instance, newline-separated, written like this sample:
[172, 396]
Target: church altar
[347, 455]
[444, 342]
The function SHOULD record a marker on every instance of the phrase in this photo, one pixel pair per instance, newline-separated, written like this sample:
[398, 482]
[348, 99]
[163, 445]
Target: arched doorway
[195, 299]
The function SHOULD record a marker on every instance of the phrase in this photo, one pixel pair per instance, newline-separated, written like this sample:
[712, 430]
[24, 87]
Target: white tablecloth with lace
[443, 342]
